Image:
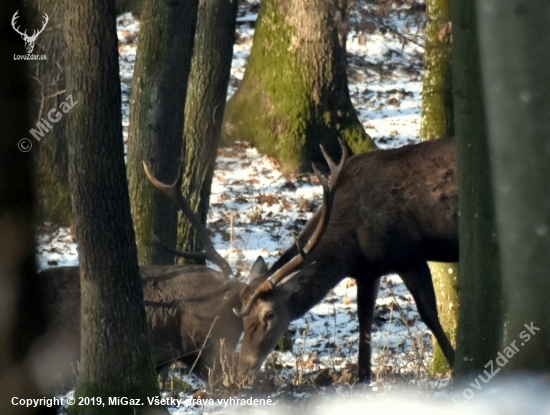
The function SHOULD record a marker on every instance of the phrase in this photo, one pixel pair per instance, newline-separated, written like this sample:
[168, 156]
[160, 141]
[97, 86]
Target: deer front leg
[367, 291]
[418, 280]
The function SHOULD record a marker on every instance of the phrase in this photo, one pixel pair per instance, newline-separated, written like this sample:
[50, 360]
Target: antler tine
[301, 252]
[46, 20]
[174, 192]
[315, 237]
[183, 254]
[13, 23]
[170, 190]
[335, 170]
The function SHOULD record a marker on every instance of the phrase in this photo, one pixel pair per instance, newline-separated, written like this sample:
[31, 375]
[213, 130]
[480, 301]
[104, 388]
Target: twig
[204, 344]
[391, 29]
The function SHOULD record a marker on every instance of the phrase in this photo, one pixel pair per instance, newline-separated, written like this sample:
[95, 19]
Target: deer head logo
[29, 40]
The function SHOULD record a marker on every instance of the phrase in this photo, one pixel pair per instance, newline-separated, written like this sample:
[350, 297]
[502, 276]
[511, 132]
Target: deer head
[264, 316]
[29, 40]
[264, 319]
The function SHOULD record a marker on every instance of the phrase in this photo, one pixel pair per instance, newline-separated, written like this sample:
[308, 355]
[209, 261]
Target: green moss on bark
[437, 104]
[445, 279]
[437, 121]
[135, 392]
[54, 196]
[294, 93]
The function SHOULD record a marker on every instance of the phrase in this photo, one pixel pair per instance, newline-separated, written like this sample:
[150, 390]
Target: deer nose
[247, 366]
[244, 367]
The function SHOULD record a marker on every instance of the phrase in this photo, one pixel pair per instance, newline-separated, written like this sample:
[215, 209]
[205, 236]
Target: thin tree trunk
[54, 202]
[205, 106]
[437, 121]
[159, 87]
[116, 354]
[294, 94]
[515, 57]
[480, 315]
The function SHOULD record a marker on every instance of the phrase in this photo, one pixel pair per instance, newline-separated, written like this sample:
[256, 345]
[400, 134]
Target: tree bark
[480, 315]
[49, 90]
[294, 94]
[515, 56]
[159, 87]
[204, 108]
[133, 6]
[116, 354]
[437, 121]
[21, 307]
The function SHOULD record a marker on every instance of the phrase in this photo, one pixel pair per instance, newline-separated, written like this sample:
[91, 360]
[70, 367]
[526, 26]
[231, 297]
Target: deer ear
[259, 269]
[258, 274]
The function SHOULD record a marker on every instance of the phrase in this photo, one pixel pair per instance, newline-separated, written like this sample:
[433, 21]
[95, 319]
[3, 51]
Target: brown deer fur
[186, 331]
[393, 210]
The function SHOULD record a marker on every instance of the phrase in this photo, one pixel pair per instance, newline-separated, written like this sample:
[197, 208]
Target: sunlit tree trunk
[515, 57]
[294, 94]
[115, 349]
[159, 86]
[437, 121]
[480, 315]
[204, 108]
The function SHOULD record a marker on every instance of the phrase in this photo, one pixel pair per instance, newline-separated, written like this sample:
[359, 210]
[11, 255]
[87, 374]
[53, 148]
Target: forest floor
[254, 209]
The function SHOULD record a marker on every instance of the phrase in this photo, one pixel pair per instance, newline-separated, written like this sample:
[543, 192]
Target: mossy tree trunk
[48, 79]
[115, 348]
[21, 307]
[480, 315]
[294, 94]
[159, 87]
[437, 121]
[515, 57]
[204, 108]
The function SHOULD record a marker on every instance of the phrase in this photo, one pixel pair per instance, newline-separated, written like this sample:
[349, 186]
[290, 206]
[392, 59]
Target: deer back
[178, 329]
[392, 207]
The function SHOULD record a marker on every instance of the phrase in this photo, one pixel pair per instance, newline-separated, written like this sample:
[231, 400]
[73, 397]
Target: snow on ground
[254, 208]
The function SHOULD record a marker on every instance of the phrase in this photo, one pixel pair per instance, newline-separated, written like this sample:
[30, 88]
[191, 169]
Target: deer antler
[36, 33]
[328, 198]
[173, 191]
[13, 19]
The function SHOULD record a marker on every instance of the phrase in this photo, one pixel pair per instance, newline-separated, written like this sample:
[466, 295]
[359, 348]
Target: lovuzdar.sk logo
[29, 40]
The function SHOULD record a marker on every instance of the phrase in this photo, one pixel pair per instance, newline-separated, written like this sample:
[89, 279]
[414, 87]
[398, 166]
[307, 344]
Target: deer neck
[328, 272]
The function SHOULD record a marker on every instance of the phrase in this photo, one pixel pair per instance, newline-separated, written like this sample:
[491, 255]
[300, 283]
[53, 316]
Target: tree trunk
[21, 308]
[133, 6]
[515, 57]
[480, 315]
[204, 108]
[159, 87]
[294, 94]
[437, 121]
[116, 354]
[54, 202]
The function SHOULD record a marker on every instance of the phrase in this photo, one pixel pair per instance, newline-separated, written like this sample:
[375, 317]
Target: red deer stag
[188, 307]
[388, 211]
[181, 328]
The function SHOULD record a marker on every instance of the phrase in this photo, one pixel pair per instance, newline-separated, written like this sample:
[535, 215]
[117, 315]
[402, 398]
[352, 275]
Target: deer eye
[268, 316]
